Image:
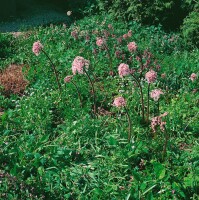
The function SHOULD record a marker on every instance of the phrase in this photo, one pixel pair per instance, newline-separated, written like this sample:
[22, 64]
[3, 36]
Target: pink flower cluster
[117, 53]
[132, 46]
[78, 65]
[110, 26]
[123, 70]
[74, 34]
[87, 38]
[151, 76]
[67, 79]
[119, 102]
[138, 58]
[119, 40]
[155, 94]
[37, 47]
[193, 77]
[163, 75]
[100, 42]
[94, 51]
[106, 34]
[127, 35]
[157, 121]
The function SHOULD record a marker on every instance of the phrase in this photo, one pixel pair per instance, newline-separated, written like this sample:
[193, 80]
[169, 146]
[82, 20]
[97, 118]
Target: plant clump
[12, 80]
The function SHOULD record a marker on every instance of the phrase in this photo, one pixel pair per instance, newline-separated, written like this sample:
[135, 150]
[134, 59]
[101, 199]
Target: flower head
[87, 38]
[106, 33]
[110, 26]
[155, 94]
[78, 65]
[74, 34]
[123, 70]
[193, 77]
[94, 51]
[164, 114]
[69, 13]
[119, 102]
[125, 36]
[100, 42]
[151, 76]
[138, 58]
[132, 46]
[194, 91]
[117, 53]
[37, 47]
[119, 40]
[129, 33]
[67, 79]
[163, 75]
[157, 121]
[64, 25]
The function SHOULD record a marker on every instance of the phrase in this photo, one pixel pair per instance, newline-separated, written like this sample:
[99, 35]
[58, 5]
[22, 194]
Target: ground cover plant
[109, 111]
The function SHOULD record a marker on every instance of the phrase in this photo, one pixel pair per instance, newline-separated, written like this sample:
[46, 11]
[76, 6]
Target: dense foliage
[169, 13]
[190, 28]
[52, 148]
[5, 46]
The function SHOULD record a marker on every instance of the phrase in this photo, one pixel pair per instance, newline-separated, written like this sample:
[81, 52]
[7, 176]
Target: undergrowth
[51, 148]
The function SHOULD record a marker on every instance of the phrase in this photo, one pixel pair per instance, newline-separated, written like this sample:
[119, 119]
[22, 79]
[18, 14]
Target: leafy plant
[6, 46]
[148, 12]
[190, 28]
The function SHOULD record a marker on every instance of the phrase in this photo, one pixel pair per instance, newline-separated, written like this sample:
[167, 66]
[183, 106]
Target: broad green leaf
[112, 141]
[136, 176]
[159, 170]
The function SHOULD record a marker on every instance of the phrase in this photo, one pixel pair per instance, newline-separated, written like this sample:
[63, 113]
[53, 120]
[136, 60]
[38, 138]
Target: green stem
[141, 63]
[165, 144]
[109, 55]
[148, 96]
[129, 121]
[78, 92]
[158, 107]
[141, 94]
[54, 69]
[93, 92]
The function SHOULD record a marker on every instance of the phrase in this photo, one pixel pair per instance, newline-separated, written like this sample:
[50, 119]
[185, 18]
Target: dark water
[31, 13]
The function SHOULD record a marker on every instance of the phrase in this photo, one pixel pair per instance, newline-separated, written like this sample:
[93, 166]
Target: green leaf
[112, 141]
[136, 176]
[143, 186]
[40, 170]
[128, 196]
[44, 138]
[148, 189]
[159, 170]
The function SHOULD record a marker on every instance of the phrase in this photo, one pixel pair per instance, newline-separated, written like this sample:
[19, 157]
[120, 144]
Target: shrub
[190, 28]
[169, 13]
[5, 46]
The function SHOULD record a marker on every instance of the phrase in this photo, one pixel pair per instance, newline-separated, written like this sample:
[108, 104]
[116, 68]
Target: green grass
[53, 149]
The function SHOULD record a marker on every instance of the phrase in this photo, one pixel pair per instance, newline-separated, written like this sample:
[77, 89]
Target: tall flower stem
[148, 96]
[141, 94]
[129, 122]
[109, 56]
[165, 144]
[93, 92]
[158, 105]
[141, 64]
[54, 69]
[78, 92]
